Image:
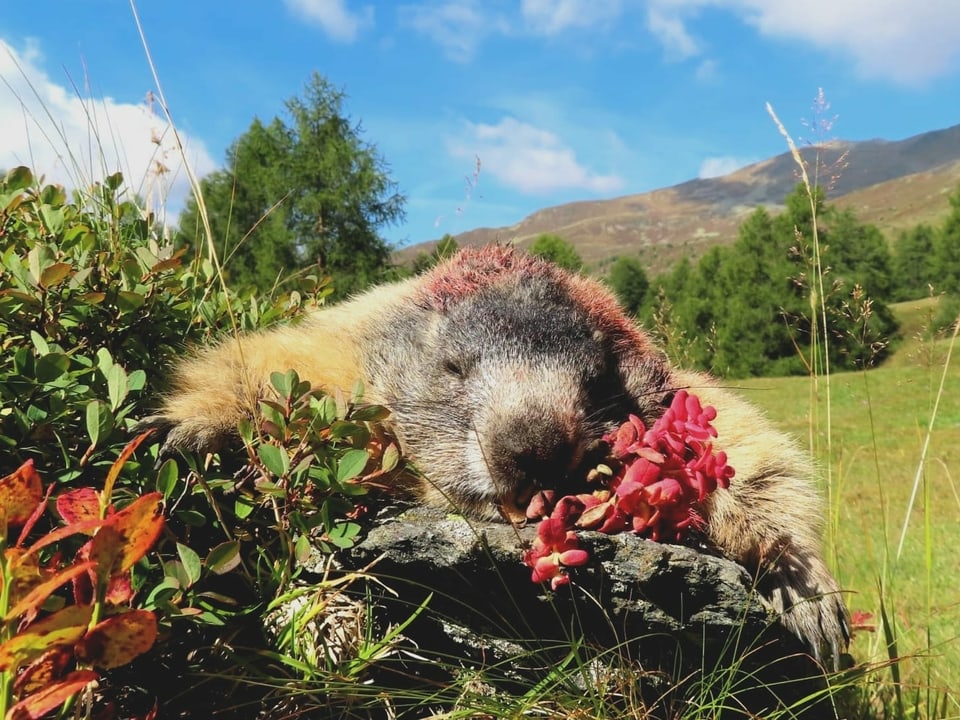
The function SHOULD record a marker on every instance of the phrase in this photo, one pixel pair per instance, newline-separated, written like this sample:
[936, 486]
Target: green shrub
[95, 304]
[94, 301]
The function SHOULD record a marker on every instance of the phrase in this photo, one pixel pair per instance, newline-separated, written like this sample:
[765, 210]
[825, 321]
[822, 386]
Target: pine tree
[914, 264]
[304, 190]
[629, 282]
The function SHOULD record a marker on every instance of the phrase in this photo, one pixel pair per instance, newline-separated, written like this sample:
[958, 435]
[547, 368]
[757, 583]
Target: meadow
[868, 431]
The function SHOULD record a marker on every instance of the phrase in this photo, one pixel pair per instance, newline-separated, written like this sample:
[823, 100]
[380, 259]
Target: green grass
[879, 420]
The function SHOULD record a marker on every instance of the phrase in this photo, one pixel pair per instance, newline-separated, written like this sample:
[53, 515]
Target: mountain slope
[894, 184]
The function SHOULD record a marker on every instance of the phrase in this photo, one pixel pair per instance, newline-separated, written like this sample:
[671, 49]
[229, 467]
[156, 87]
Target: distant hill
[893, 184]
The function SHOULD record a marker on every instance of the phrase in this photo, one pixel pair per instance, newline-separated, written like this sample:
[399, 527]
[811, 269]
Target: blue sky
[560, 100]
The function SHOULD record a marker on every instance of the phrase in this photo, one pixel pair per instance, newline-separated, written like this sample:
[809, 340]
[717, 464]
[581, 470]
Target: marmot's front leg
[770, 520]
[211, 393]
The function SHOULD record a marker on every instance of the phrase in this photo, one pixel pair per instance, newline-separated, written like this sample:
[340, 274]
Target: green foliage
[299, 192]
[947, 314]
[629, 282]
[311, 458]
[446, 247]
[558, 251]
[94, 305]
[746, 309]
[93, 301]
[914, 263]
[947, 248]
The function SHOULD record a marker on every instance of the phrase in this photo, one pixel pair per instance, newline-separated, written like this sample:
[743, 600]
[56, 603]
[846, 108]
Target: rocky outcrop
[684, 626]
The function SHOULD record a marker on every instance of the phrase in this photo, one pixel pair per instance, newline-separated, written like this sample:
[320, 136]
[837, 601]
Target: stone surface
[682, 620]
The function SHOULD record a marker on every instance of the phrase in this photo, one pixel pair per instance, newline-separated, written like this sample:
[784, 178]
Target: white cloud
[74, 141]
[461, 26]
[723, 165]
[337, 21]
[529, 159]
[896, 40]
[669, 28]
[457, 27]
[906, 43]
[549, 17]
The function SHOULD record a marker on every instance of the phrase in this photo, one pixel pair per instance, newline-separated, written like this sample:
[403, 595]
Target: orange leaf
[77, 505]
[34, 599]
[34, 516]
[20, 492]
[106, 550]
[139, 524]
[24, 572]
[64, 627]
[52, 696]
[46, 669]
[118, 639]
[125, 454]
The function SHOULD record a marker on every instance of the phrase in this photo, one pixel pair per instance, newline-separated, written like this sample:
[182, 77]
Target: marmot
[499, 369]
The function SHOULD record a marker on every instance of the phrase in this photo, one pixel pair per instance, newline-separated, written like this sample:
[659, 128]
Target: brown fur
[499, 370]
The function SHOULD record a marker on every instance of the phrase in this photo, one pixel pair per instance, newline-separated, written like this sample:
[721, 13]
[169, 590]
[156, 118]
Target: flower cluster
[652, 484]
[556, 546]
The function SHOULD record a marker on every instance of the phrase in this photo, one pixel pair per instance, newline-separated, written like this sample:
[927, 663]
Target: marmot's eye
[454, 368]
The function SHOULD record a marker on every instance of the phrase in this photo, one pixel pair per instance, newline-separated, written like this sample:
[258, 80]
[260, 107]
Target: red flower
[861, 620]
[658, 475]
[555, 549]
[663, 471]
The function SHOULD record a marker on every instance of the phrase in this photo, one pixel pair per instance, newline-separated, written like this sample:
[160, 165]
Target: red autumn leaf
[46, 669]
[20, 493]
[79, 505]
[63, 627]
[52, 696]
[118, 639]
[60, 533]
[139, 524]
[119, 590]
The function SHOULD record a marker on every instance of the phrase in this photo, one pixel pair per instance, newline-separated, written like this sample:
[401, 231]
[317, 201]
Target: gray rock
[684, 622]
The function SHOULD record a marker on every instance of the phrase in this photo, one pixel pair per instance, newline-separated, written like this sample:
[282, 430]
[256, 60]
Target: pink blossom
[659, 475]
[555, 549]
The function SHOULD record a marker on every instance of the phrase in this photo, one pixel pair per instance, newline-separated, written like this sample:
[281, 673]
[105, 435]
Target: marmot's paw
[185, 435]
[811, 606]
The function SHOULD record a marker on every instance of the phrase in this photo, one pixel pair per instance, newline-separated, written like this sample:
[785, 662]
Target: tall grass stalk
[926, 700]
[819, 346]
[921, 465]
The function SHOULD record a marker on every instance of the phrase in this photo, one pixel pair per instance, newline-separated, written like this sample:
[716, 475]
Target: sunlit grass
[879, 421]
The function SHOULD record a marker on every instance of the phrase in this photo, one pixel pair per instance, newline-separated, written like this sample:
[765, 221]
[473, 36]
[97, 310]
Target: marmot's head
[506, 370]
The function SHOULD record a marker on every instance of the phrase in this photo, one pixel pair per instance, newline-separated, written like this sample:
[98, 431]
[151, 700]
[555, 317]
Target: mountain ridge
[893, 184]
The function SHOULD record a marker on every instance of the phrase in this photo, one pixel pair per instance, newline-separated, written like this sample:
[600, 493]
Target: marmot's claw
[161, 423]
[161, 426]
[819, 620]
[167, 432]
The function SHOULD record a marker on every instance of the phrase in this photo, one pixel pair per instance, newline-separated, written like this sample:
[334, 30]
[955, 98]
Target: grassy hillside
[870, 447]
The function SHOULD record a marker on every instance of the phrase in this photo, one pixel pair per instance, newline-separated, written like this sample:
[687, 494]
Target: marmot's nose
[535, 453]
